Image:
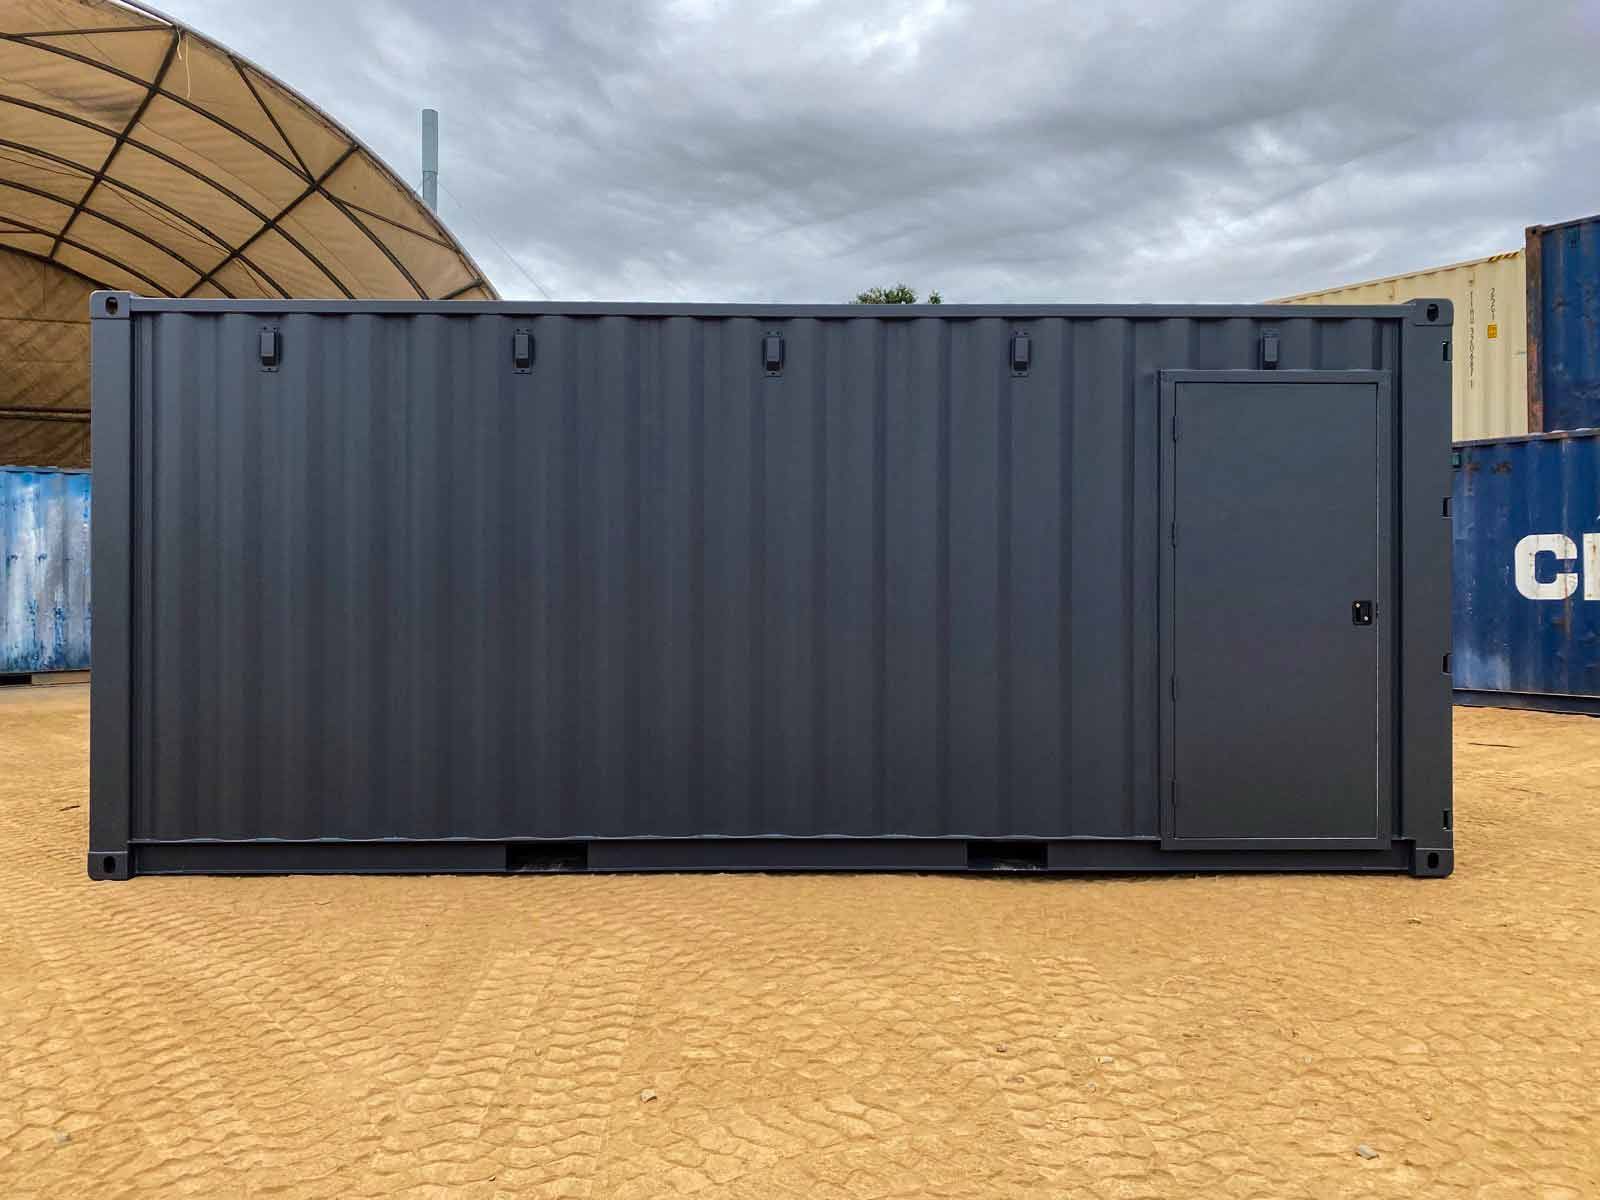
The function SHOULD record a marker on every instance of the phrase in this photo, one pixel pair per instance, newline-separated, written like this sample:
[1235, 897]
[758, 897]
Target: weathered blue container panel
[1527, 571]
[1563, 264]
[44, 576]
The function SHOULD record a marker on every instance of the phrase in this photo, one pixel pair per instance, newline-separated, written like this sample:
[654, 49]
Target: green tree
[898, 294]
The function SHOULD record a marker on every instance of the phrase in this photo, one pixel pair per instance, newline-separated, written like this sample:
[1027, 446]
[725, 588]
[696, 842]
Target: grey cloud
[1050, 151]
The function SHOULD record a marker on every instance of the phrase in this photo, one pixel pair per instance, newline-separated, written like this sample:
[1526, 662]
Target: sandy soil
[804, 1036]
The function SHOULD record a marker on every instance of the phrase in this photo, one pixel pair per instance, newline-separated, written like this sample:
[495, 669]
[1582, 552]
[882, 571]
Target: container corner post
[110, 306]
[1432, 862]
[110, 864]
[111, 385]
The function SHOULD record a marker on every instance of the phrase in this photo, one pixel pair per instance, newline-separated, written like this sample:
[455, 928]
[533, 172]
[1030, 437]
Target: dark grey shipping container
[490, 587]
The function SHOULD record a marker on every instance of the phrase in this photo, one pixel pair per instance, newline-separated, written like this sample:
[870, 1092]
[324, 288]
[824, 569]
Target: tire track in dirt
[207, 1103]
[817, 1037]
[433, 1139]
[758, 1091]
[557, 1114]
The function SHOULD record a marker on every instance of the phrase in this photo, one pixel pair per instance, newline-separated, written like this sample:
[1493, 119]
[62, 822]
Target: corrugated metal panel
[44, 570]
[1527, 566]
[1564, 296]
[1489, 377]
[394, 588]
[663, 543]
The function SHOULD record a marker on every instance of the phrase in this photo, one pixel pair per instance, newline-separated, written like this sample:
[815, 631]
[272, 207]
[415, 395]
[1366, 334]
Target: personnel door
[1276, 610]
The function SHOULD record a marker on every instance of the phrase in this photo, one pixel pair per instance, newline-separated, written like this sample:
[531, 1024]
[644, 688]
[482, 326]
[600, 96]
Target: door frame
[1385, 614]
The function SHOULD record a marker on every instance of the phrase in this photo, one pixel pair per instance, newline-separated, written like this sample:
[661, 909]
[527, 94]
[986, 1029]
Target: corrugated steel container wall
[1564, 310]
[664, 504]
[1489, 376]
[1527, 568]
[44, 570]
[391, 588]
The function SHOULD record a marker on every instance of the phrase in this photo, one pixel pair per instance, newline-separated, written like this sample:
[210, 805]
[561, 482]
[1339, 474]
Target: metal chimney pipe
[430, 159]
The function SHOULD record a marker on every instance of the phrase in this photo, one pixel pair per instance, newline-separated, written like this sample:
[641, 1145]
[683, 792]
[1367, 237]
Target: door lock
[1361, 612]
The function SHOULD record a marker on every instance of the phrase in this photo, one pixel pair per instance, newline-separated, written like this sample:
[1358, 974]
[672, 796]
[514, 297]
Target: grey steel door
[1276, 607]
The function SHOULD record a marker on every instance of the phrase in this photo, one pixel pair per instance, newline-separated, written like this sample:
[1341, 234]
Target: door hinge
[1174, 533]
[1173, 682]
[1174, 426]
[1174, 795]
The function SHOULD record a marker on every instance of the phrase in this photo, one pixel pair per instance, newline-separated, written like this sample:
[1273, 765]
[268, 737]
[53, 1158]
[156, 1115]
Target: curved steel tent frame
[140, 154]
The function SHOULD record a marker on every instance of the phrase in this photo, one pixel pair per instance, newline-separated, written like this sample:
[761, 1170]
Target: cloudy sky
[1067, 151]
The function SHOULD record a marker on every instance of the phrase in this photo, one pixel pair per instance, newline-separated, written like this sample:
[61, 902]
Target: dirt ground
[808, 1036]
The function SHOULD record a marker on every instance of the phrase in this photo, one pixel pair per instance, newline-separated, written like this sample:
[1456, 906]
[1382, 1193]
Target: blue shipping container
[44, 570]
[1563, 267]
[1526, 534]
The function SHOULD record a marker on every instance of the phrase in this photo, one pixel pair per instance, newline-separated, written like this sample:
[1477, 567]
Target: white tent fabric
[136, 153]
[142, 155]
[44, 364]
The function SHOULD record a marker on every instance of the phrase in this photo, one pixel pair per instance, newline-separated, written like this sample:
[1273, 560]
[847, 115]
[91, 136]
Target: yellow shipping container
[1490, 348]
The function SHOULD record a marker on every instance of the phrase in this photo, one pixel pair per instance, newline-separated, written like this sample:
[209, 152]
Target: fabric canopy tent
[138, 154]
